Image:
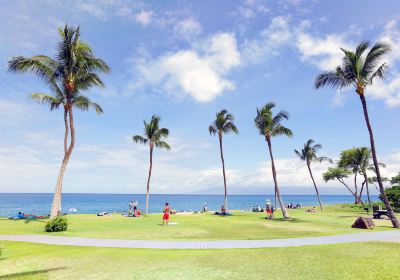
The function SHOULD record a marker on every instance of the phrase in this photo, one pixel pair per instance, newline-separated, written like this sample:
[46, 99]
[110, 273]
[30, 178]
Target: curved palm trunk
[66, 131]
[148, 179]
[56, 206]
[315, 186]
[341, 181]
[367, 188]
[278, 194]
[385, 200]
[223, 173]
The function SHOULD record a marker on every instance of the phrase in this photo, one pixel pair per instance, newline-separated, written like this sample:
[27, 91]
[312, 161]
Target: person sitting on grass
[136, 212]
[20, 215]
[312, 210]
[166, 211]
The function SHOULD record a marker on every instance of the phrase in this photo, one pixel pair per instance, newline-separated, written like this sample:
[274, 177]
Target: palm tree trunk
[315, 186]
[361, 191]
[56, 206]
[384, 198]
[148, 179]
[223, 173]
[356, 189]
[66, 131]
[341, 181]
[278, 194]
[366, 186]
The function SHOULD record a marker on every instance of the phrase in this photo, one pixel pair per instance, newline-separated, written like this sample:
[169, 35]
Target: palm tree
[309, 154]
[223, 124]
[270, 126]
[352, 160]
[337, 173]
[359, 70]
[74, 69]
[153, 135]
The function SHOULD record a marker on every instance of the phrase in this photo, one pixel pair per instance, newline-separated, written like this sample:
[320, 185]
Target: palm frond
[162, 145]
[139, 139]
[281, 130]
[212, 130]
[43, 98]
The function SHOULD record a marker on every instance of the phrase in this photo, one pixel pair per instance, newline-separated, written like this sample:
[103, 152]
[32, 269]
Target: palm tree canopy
[336, 173]
[309, 152]
[153, 134]
[223, 123]
[356, 159]
[74, 68]
[270, 125]
[358, 68]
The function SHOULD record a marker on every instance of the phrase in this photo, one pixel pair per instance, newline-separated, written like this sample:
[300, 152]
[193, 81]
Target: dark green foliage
[57, 224]
[393, 194]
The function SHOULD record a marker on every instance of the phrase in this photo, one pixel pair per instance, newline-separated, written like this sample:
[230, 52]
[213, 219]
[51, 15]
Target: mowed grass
[242, 225]
[372, 260]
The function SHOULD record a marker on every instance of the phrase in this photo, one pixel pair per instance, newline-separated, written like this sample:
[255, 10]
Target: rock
[363, 223]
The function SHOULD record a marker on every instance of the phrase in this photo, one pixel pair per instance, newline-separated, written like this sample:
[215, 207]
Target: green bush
[393, 194]
[57, 224]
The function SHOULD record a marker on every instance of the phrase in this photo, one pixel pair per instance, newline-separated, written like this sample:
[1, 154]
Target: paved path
[217, 244]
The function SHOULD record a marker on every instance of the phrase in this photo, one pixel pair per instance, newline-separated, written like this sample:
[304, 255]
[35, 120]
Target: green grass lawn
[242, 225]
[372, 260]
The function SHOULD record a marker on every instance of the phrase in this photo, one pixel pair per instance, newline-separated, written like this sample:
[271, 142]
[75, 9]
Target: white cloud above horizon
[199, 72]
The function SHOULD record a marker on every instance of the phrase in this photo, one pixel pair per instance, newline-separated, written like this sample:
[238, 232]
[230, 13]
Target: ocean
[40, 203]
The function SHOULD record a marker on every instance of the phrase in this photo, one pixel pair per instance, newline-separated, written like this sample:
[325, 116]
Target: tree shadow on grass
[290, 220]
[23, 275]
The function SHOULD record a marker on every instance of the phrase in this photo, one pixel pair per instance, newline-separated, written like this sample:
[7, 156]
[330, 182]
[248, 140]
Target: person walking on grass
[166, 211]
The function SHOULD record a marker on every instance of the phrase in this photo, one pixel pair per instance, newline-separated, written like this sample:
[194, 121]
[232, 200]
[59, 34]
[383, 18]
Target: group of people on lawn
[135, 212]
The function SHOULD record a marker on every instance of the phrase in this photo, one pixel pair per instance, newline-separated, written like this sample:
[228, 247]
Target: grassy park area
[241, 225]
[342, 261]
[345, 261]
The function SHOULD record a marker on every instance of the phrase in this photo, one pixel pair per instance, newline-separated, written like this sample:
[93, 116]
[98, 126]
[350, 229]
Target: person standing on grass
[166, 211]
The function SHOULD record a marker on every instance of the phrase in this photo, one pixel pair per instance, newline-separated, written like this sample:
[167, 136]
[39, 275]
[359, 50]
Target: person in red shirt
[166, 211]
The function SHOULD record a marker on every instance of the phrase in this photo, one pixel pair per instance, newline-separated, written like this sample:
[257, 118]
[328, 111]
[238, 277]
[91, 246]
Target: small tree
[309, 154]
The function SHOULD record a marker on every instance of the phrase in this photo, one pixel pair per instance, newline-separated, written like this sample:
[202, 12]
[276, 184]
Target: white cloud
[270, 40]
[187, 28]
[323, 52]
[144, 17]
[199, 72]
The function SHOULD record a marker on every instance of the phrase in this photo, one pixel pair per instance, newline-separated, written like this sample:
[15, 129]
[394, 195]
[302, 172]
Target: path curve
[217, 244]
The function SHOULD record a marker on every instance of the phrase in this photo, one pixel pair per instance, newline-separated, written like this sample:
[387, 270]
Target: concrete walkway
[217, 244]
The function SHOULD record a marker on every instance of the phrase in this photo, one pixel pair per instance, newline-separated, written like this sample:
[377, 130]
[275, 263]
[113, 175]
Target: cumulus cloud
[270, 40]
[144, 17]
[187, 28]
[323, 51]
[199, 72]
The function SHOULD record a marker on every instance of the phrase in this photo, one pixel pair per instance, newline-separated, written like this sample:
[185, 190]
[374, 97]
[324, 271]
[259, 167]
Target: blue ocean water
[40, 203]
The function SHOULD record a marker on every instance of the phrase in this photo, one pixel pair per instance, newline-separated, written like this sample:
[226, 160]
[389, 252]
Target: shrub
[57, 224]
[393, 194]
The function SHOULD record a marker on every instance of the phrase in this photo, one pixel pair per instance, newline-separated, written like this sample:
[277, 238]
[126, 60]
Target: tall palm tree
[359, 70]
[223, 124]
[153, 136]
[309, 154]
[73, 69]
[269, 125]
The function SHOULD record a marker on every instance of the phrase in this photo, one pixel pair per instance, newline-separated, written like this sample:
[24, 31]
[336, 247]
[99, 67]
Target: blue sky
[186, 60]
